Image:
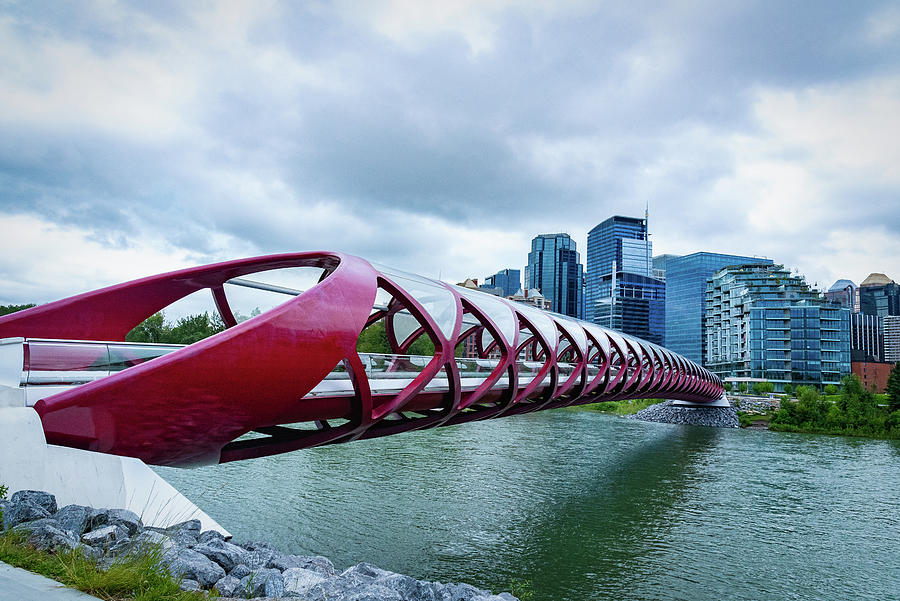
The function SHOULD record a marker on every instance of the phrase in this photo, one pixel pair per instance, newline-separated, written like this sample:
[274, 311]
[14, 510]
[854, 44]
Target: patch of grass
[752, 419]
[139, 577]
[522, 589]
[617, 407]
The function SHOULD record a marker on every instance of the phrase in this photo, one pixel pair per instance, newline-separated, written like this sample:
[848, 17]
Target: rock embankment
[206, 561]
[756, 404]
[669, 413]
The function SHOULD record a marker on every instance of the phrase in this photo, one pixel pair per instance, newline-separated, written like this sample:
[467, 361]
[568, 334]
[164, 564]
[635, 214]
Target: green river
[584, 506]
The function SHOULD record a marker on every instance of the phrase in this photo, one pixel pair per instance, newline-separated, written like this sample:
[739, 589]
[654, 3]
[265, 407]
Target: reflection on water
[585, 506]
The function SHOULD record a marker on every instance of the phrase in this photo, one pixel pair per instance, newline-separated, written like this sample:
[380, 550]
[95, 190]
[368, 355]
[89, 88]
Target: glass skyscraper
[621, 292]
[555, 269]
[686, 298]
[508, 280]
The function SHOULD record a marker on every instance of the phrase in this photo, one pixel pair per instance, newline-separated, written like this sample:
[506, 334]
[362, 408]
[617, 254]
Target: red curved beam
[194, 405]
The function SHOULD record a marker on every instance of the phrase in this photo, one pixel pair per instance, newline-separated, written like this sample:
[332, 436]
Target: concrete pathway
[17, 584]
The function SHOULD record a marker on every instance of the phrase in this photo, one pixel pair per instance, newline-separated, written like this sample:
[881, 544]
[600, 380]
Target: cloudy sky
[440, 137]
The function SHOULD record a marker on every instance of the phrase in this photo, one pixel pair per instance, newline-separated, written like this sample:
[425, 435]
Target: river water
[584, 506]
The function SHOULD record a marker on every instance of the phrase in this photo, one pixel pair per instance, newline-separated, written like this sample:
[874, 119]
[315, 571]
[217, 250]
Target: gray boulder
[192, 526]
[240, 571]
[258, 559]
[74, 519]
[187, 563]
[46, 536]
[317, 563]
[210, 535]
[275, 585]
[254, 584]
[283, 561]
[42, 499]
[228, 586]
[20, 512]
[187, 584]
[337, 588]
[223, 553]
[105, 537]
[375, 592]
[457, 592]
[363, 573]
[407, 587]
[298, 581]
[115, 517]
[146, 542]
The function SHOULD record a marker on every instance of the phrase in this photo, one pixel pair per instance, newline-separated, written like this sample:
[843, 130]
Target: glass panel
[599, 335]
[496, 309]
[486, 338]
[437, 301]
[574, 329]
[541, 321]
[66, 363]
[404, 325]
[123, 356]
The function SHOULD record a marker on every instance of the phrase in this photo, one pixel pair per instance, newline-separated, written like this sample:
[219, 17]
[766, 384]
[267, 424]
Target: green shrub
[3, 490]
[138, 577]
[788, 389]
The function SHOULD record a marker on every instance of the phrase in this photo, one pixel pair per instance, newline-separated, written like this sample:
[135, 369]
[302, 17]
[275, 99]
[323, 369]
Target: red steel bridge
[291, 377]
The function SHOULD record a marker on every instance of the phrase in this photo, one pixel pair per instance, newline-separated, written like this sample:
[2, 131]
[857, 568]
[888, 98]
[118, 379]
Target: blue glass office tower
[555, 269]
[686, 278]
[629, 299]
[508, 280]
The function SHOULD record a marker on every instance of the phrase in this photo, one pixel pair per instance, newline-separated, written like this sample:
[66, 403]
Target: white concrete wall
[87, 478]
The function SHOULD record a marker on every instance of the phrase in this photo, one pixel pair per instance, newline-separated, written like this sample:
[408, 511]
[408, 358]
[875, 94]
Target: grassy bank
[616, 407]
[850, 410]
[137, 577]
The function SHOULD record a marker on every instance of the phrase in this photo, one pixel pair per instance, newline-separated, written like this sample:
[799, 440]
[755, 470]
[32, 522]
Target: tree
[761, 388]
[374, 339]
[742, 387]
[152, 329]
[831, 390]
[788, 389]
[893, 388]
[728, 387]
[7, 309]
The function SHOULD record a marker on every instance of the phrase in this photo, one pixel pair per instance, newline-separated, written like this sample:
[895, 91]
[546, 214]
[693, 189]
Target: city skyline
[136, 138]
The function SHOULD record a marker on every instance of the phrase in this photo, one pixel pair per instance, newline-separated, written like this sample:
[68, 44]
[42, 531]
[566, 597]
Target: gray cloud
[257, 132]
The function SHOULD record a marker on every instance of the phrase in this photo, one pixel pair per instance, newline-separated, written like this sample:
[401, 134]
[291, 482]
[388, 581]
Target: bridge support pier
[722, 403]
[98, 480]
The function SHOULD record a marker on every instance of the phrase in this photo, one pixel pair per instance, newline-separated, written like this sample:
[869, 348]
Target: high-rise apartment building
[554, 268]
[762, 322]
[508, 280]
[892, 338]
[686, 298]
[621, 292]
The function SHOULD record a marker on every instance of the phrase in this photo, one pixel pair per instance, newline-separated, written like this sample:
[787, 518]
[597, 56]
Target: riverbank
[110, 553]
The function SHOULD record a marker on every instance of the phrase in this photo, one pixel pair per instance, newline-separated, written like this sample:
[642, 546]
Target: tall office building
[845, 293]
[659, 265]
[554, 268]
[879, 295]
[508, 280]
[762, 322]
[892, 338]
[686, 298]
[866, 337]
[621, 291]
